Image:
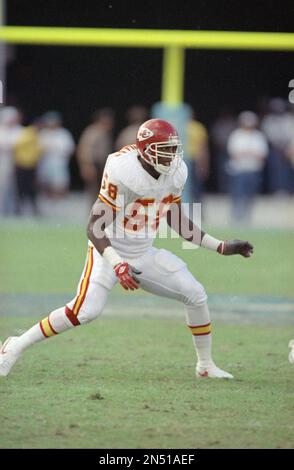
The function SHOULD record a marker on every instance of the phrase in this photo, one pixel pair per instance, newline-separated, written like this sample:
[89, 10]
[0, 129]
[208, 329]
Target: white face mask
[154, 152]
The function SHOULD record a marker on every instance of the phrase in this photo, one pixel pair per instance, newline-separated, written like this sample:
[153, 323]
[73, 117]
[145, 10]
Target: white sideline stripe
[257, 307]
[177, 309]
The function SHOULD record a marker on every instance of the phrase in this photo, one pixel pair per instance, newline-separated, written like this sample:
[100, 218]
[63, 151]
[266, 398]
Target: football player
[141, 184]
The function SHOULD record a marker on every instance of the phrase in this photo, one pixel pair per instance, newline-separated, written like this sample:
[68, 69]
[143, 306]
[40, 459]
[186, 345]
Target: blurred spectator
[290, 155]
[278, 127]
[220, 132]
[135, 116]
[95, 144]
[197, 159]
[58, 145]
[27, 152]
[10, 130]
[248, 149]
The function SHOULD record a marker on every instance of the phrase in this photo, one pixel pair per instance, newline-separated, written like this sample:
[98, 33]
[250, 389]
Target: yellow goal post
[174, 43]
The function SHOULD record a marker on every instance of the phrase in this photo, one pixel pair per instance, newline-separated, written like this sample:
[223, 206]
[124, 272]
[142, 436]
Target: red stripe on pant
[84, 287]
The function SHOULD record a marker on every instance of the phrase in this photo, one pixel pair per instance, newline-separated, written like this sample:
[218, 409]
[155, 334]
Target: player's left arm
[186, 228]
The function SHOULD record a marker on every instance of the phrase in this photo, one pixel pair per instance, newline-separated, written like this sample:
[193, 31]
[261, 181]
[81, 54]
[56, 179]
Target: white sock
[32, 336]
[55, 323]
[203, 349]
[198, 320]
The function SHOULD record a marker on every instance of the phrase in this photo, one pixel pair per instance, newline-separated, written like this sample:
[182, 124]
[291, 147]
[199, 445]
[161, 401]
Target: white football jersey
[139, 200]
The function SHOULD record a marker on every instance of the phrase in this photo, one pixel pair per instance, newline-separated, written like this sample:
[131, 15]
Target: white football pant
[163, 273]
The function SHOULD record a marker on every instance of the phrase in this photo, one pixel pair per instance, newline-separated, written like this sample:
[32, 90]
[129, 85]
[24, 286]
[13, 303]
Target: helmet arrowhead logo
[144, 133]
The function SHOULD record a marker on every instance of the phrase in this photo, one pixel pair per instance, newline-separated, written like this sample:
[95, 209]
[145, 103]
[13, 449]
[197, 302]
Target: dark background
[78, 80]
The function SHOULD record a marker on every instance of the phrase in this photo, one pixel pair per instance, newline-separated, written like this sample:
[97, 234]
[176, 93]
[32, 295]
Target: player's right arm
[102, 215]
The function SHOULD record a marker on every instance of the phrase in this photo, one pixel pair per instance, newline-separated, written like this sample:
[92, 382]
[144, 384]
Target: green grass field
[127, 380]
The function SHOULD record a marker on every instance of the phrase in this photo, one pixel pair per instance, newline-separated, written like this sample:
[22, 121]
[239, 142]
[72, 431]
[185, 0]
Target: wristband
[221, 248]
[112, 256]
[211, 243]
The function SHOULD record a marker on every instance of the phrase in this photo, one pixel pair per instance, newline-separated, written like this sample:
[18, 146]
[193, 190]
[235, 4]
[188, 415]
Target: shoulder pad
[120, 165]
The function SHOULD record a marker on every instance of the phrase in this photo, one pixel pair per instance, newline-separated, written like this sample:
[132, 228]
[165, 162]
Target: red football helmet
[157, 142]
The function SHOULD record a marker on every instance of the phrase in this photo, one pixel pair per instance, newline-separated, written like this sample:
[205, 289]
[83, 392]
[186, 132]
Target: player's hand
[236, 247]
[126, 276]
